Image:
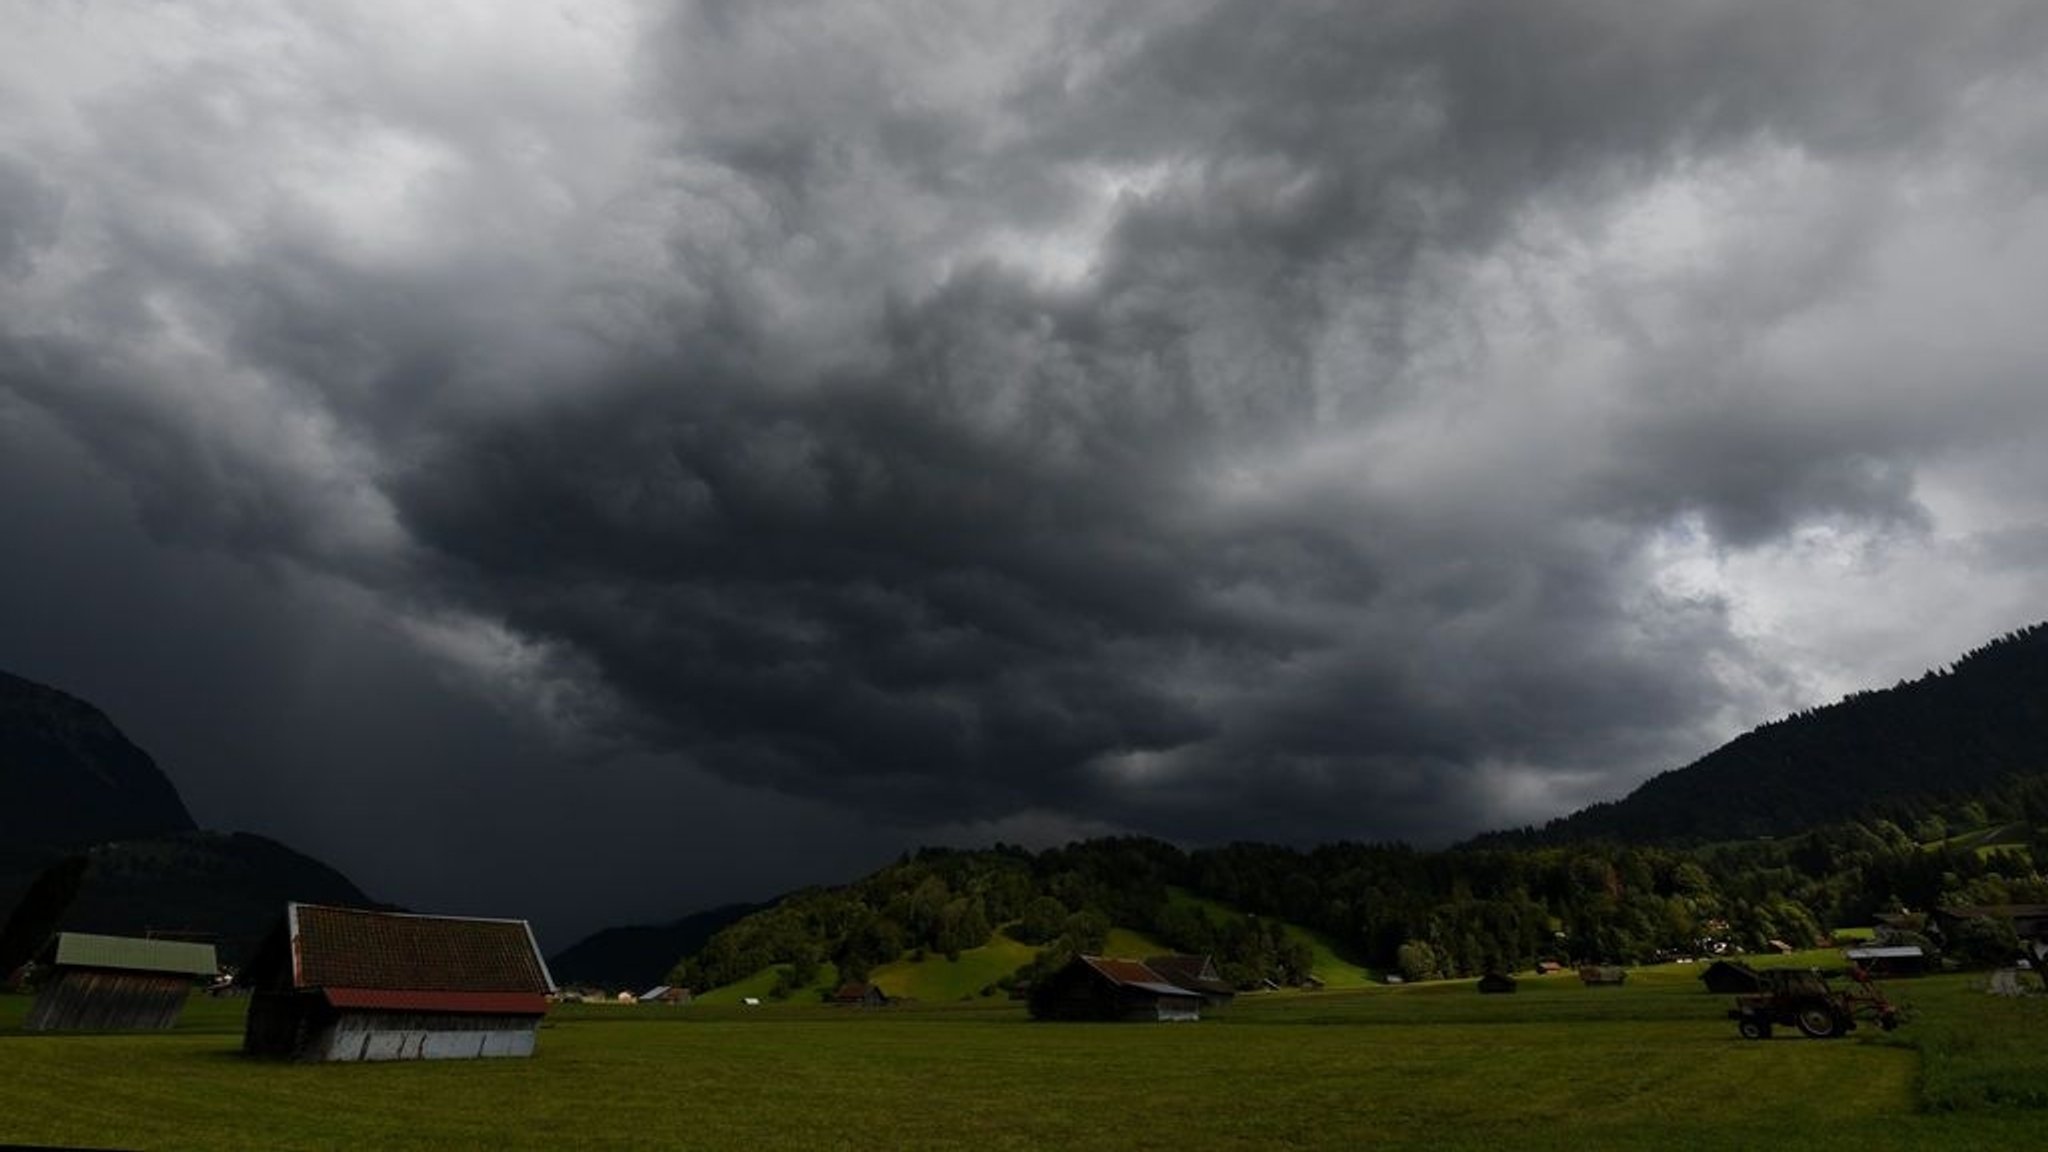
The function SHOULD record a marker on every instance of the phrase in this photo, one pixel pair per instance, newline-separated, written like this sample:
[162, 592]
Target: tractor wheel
[1818, 1022]
[1754, 1028]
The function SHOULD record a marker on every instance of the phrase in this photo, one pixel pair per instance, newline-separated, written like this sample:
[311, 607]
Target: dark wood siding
[97, 1000]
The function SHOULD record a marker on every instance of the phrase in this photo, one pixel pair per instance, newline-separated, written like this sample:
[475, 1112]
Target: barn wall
[280, 1023]
[97, 1000]
[1074, 994]
[361, 1036]
[1166, 1009]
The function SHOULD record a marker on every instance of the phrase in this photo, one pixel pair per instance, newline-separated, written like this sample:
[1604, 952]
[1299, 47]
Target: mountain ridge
[97, 834]
[72, 778]
[1951, 730]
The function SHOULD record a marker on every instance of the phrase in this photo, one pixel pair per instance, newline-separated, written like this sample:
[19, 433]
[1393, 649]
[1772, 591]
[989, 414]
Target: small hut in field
[110, 983]
[1196, 974]
[666, 994]
[1731, 978]
[1595, 975]
[351, 984]
[859, 995]
[1103, 988]
[1496, 983]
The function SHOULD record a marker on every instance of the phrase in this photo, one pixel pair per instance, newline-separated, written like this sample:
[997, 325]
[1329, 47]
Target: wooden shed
[859, 995]
[666, 994]
[107, 983]
[1496, 983]
[1195, 973]
[1104, 988]
[352, 984]
[1594, 975]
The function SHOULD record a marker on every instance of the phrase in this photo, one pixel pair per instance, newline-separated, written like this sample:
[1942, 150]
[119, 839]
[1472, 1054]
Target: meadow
[1652, 1064]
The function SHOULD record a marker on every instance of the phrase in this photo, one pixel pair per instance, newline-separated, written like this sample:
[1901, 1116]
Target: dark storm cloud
[1212, 420]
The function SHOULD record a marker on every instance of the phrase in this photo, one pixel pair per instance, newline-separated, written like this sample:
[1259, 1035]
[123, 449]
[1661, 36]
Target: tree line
[1390, 907]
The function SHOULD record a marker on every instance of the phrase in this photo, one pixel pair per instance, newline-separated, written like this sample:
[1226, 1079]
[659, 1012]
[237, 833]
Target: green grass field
[1651, 1064]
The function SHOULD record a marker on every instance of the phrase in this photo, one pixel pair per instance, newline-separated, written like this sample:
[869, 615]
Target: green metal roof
[83, 950]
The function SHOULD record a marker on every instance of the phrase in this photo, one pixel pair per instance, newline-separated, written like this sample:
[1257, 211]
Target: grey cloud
[1224, 420]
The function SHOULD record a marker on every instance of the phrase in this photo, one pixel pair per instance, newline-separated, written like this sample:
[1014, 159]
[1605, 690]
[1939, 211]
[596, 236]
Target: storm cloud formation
[1217, 420]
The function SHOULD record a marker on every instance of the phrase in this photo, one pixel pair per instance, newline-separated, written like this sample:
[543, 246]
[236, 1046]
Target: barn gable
[354, 984]
[1195, 973]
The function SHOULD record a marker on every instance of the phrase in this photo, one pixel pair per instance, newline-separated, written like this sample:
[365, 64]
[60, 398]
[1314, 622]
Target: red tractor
[1804, 1000]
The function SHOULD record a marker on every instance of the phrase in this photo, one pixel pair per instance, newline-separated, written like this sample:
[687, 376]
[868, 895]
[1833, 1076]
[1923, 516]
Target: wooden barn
[107, 983]
[1197, 974]
[1731, 978]
[666, 994]
[860, 995]
[1594, 975]
[351, 984]
[1101, 988]
[1496, 983]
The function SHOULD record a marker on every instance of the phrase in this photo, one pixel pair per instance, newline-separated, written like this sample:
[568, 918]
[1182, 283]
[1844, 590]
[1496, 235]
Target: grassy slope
[938, 979]
[1333, 970]
[1134, 944]
[760, 983]
[1435, 1066]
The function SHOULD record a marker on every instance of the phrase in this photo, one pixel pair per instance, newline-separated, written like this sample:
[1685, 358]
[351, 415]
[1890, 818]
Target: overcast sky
[589, 461]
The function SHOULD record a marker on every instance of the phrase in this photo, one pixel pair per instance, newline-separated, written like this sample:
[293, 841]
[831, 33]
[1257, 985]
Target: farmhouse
[352, 984]
[1731, 978]
[100, 983]
[1196, 974]
[1102, 988]
[861, 995]
[666, 994]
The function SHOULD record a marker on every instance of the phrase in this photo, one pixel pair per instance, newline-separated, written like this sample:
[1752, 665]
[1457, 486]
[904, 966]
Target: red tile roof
[352, 948]
[1134, 974]
[491, 1003]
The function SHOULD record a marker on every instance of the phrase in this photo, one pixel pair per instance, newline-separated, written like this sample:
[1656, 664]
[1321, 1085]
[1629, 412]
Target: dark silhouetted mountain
[70, 778]
[1947, 733]
[73, 789]
[639, 957]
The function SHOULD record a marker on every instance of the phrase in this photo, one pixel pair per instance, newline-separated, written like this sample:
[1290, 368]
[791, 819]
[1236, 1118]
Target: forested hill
[1950, 732]
[1001, 916]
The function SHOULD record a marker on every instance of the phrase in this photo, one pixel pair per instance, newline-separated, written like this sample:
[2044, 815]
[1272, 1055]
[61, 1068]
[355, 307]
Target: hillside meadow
[1557, 1065]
